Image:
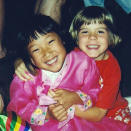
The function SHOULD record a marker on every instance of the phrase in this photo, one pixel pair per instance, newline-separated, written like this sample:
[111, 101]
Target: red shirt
[110, 97]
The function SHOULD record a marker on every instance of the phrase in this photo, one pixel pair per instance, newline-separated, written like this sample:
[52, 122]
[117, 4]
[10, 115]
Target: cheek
[104, 39]
[106, 42]
[82, 37]
[81, 41]
[60, 48]
[35, 58]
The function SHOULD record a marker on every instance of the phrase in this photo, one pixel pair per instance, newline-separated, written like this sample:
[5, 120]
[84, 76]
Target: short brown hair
[93, 14]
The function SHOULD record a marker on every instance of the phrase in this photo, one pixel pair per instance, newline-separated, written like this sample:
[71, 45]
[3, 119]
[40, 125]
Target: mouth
[92, 46]
[52, 61]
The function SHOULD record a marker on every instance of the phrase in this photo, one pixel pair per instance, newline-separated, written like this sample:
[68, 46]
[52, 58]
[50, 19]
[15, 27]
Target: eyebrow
[31, 46]
[47, 36]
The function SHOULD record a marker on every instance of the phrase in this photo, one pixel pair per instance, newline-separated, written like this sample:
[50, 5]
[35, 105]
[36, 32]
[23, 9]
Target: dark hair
[94, 14]
[40, 24]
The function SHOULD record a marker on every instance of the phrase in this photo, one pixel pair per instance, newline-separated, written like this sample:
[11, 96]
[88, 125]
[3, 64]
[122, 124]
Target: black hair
[40, 24]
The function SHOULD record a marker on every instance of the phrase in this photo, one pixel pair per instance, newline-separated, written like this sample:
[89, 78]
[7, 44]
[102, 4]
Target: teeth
[52, 61]
[93, 46]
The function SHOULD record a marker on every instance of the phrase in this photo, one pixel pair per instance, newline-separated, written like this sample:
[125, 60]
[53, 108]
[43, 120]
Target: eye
[51, 41]
[35, 50]
[101, 32]
[84, 32]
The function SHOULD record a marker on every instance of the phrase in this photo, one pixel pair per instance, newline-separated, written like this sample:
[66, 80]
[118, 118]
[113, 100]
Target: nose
[92, 36]
[46, 53]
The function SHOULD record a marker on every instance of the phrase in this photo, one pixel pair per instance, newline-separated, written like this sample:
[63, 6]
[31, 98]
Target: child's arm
[1, 104]
[68, 98]
[92, 114]
[20, 70]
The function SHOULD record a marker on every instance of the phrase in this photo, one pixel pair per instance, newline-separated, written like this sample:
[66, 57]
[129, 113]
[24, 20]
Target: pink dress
[79, 74]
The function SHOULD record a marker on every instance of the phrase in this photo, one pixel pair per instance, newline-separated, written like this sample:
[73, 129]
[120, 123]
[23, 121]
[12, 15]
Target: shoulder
[80, 60]
[113, 62]
[18, 85]
[26, 88]
[109, 68]
[110, 63]
[112, 57]
[17, 82]
[79, 55]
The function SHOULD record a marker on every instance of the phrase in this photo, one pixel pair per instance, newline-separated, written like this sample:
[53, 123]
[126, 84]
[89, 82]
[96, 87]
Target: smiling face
[47, 52]
[93, 39]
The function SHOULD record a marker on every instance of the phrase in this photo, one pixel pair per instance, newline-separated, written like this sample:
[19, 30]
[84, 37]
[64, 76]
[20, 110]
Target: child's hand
[66, 98]
[58, 112]
[1, 104]
[20, 70]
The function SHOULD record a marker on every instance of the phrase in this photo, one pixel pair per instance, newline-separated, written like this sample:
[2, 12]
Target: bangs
[34, 35]
[93, 21]
[101, 19]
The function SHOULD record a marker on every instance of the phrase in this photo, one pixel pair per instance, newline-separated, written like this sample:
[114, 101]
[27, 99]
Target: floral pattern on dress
[86, 100]
[38, 116]
[122, 115]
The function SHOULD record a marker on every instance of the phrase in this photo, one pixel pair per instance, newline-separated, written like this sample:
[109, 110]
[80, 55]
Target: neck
[105, 56]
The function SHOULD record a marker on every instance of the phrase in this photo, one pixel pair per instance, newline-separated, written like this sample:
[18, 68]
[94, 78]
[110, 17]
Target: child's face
[47, 52]
[93, 40]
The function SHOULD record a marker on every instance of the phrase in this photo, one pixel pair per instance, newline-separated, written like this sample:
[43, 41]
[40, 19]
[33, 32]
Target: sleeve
[109, 92]
[87, 101]
[91, 84]
[23, 101]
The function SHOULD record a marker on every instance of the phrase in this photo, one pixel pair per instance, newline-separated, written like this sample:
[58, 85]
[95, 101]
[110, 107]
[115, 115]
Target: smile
[93, 46]
[52, 61]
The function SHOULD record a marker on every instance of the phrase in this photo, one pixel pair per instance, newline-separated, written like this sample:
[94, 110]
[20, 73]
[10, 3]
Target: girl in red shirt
[93, 30]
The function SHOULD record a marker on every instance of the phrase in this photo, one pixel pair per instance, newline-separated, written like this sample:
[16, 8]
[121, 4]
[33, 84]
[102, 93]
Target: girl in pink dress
[42, 44]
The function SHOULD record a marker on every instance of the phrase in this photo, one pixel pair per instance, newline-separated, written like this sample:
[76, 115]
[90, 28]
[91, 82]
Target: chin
[92, 56]
[56, 70]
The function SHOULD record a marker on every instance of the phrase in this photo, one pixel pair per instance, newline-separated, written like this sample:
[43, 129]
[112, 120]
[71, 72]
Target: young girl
[44, 46]
[94, 31]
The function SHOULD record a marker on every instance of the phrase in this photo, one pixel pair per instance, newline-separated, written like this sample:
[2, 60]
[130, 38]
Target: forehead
[44, 35]
[40, 38]
[93, 25]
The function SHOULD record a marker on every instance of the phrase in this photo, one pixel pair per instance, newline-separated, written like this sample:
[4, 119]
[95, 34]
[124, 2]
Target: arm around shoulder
[92, 114]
